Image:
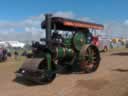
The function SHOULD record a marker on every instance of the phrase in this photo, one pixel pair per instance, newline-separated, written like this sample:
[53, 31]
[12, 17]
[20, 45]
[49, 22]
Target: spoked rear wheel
[90, 58]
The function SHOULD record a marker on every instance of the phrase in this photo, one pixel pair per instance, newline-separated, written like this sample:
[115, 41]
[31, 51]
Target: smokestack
[48, 27]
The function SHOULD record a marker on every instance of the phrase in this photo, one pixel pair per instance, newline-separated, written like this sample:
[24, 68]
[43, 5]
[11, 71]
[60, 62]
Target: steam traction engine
[66, 48]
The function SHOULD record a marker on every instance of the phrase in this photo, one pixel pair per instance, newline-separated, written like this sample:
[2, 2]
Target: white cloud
[64, 14]
[30, 28]
[116, 29]
[126, 22]
[86, 19]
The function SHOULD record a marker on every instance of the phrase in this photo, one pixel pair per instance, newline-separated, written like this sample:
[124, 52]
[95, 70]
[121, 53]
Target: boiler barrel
[64, 52]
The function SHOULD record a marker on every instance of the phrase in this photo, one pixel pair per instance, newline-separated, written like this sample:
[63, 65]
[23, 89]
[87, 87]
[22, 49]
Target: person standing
[16, 54]
[1, 54]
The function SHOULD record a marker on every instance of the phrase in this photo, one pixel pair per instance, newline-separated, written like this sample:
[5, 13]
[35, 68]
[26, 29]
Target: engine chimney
[48, 28]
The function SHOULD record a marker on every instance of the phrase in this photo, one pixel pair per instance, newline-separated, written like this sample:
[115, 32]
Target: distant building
[16, 44]
[12, 44]
[3, 44]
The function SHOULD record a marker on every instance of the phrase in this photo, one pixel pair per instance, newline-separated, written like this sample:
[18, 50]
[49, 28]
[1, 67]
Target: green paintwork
[90, 55]
[69, 53]
[60, 52]
[68, 42]
[49, 60]
[64, 52]
[79, 40]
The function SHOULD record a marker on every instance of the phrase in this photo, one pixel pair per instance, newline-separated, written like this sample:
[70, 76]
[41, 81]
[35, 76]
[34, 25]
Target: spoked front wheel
[90, 58]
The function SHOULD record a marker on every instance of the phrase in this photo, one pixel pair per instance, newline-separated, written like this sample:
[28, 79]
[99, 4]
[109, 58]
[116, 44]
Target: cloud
[27, 29]
[30, 28]
[65, 14]
[126, 22]
[116, 29]
[87, 19]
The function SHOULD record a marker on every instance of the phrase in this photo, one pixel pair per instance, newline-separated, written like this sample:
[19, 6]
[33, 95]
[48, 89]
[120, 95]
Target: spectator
[16, 54]
[4, 55]
[1, 54]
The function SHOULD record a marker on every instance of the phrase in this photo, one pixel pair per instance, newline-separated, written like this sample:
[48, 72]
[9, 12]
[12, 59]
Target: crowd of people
[5, 53]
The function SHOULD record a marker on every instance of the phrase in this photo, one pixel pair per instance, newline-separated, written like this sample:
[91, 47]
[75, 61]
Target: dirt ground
[111, 79]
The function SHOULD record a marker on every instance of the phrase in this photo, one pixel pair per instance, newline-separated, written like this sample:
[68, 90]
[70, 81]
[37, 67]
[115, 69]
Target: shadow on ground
[120, 70]
[26, 82]
[121, 54]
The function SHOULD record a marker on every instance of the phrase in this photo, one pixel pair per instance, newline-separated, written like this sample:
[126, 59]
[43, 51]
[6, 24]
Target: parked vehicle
[61, 49]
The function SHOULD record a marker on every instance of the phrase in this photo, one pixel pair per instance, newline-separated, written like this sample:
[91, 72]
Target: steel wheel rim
[92, 59]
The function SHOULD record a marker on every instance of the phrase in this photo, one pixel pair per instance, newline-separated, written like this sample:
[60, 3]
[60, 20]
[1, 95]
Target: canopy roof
[69, 24]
